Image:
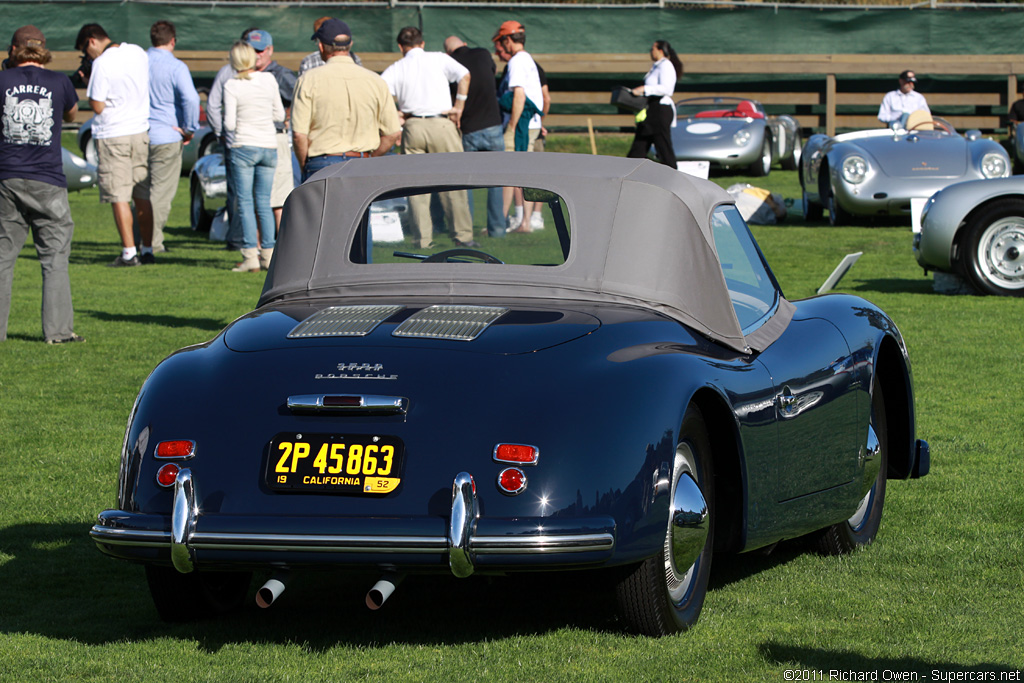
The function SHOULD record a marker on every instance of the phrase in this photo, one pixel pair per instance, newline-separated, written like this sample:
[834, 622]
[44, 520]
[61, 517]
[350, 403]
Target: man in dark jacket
[481, 120]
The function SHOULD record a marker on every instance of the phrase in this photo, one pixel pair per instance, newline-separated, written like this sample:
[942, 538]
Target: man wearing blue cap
[341, 111]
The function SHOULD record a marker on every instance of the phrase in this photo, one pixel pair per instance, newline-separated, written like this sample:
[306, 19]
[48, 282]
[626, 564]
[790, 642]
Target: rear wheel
[197, 595]
[201, 220]
[763, 165]
[993, 249]
[659, 596]
[862, 527]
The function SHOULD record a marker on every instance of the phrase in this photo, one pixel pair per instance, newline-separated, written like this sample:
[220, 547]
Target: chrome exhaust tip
[382, 590]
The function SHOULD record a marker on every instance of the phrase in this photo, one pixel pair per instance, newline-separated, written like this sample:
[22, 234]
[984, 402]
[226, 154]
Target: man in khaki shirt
[341, 111]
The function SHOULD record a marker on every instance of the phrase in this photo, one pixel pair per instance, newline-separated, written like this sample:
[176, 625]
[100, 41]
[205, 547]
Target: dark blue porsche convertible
[625, 390]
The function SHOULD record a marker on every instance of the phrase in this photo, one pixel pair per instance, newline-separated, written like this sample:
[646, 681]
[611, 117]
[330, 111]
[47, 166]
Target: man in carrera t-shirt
[33, 189]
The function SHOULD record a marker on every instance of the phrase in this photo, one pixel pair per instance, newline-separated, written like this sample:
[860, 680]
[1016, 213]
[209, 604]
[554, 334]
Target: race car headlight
[741, 137]
[855, 169]
[993, 165]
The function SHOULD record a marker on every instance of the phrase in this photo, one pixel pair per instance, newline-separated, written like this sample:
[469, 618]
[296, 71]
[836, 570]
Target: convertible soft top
[641, 235]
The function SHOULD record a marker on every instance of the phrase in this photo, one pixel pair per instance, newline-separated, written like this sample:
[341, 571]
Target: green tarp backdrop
[565, 29]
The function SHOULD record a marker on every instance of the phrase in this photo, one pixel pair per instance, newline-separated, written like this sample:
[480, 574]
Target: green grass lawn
[939, 592]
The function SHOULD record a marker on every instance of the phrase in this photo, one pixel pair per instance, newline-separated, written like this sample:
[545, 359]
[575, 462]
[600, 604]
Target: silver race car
[735, 133]
[878, 172]
[976, 229]
[79, 172]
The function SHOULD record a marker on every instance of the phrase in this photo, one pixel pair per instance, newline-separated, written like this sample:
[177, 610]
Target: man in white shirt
[119, 94]
[419, 82]
[897, 105]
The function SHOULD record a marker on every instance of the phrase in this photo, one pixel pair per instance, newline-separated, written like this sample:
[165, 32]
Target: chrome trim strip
[132, 537]
[582, 543]
[449, 321]
[394, 405]
[481, 545]
[343, 321]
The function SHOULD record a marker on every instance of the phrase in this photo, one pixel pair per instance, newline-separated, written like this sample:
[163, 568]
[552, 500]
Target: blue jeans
[488, 140]
[252, 172]
[314, 164]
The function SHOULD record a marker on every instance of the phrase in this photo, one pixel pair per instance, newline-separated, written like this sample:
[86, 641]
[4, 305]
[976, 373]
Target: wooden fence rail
[818, 94]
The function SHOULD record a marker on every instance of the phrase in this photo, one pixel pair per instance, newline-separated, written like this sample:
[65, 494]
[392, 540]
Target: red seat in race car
[747, 108]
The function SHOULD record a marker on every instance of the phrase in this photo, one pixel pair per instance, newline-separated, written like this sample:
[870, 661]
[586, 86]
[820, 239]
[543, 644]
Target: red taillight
[512, 481]
[166, 475]
[517, 453]
[176, 449]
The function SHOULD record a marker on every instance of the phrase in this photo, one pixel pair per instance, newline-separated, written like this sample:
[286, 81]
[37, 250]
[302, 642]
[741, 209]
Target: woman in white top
[252, 103]
[654, 124]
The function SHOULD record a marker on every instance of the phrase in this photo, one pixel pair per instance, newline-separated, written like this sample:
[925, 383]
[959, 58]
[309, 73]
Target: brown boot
[265, 256]
[251, 264]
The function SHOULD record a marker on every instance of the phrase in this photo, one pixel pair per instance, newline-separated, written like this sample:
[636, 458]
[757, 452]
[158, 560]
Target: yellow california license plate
[335, 463]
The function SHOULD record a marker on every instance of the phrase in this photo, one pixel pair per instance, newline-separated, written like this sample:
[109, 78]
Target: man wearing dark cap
[341, 111]
[33, 189]
[899, 104]
[313, 59]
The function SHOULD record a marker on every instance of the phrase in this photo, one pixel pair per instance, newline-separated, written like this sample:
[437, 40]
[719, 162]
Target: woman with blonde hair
[252, 103]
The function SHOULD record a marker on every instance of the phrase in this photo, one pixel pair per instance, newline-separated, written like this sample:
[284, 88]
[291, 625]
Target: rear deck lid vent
[343, 321]
[456, 323]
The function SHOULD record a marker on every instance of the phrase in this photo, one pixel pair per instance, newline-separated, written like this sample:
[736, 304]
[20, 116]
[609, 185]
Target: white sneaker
[512, 223]
[537, 221]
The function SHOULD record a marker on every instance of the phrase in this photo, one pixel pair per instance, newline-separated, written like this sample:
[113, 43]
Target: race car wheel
[659, 597]
[836, 215]
[197, 595]
[993, 249]
[862, 527]
[812, 210]
[209, 145]
[763, 165]
[201, 220]
[792, 162]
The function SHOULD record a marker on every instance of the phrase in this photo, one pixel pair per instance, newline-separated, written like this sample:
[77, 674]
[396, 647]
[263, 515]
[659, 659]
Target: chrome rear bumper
[471, 541]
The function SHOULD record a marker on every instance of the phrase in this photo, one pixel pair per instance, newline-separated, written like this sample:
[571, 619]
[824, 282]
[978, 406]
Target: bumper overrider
[470, 542]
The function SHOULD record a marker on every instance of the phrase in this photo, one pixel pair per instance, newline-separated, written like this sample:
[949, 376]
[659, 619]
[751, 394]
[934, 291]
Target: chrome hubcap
[1000, 256]
[687, 528]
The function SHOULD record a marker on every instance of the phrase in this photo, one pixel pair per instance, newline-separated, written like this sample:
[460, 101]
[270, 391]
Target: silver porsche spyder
[735, 133]
[878, 172]
[976, 229]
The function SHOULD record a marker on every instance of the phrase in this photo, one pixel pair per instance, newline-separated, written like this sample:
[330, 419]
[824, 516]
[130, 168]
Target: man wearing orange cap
[522, 80]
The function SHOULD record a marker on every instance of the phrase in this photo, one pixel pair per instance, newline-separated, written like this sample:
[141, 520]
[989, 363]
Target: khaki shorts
[123, 167]
[510, 139]
[284, 181]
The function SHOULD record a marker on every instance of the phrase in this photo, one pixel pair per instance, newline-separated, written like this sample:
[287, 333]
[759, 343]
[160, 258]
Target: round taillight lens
[166, 475]
[512, 481]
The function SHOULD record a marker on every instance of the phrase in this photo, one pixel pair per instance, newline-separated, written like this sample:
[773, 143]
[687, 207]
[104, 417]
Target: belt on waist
[347, 154]
[426, 116]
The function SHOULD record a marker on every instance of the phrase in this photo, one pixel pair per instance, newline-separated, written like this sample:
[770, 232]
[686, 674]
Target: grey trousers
[42, 208]
[164, 172]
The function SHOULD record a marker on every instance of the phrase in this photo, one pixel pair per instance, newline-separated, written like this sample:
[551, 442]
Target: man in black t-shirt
[33, 189]
[481, 120]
